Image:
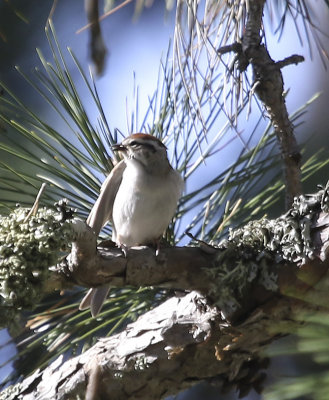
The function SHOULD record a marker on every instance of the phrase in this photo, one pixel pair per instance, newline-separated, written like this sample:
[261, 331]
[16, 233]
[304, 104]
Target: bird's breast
[144, 206]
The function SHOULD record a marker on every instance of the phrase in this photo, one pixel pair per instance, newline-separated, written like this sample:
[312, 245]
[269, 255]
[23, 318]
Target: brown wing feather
[101, 212]
[94, 299]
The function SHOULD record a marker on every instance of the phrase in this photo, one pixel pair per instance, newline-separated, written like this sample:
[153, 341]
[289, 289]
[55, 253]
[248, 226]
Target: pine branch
[187, 340]
[251, 287]
[165, 351]
[268, 85]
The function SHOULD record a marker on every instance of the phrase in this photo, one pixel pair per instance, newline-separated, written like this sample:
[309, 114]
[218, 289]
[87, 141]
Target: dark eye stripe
[148, 145]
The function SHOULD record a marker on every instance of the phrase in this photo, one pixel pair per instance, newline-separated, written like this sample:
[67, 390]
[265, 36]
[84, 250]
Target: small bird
[138, 198]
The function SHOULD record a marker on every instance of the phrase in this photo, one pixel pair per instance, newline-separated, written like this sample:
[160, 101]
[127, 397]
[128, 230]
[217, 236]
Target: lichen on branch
[250, 253]
[29, 245]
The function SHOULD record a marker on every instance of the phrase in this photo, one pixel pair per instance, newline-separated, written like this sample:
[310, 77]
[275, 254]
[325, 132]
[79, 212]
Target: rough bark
[169, 349]
[269, 87]
[189, 339]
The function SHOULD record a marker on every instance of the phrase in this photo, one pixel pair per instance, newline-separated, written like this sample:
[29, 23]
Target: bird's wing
[101, 212]
[94, 299]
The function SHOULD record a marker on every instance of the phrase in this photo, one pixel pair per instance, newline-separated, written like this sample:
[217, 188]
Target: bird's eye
[142, 145]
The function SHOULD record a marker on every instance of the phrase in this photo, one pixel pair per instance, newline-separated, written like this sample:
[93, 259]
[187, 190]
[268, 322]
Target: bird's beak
[119, 147]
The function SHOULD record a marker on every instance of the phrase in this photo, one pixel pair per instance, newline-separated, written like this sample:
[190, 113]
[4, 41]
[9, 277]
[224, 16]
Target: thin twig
[104, 16]
[35, 206]
[236, 47]
[294, 59]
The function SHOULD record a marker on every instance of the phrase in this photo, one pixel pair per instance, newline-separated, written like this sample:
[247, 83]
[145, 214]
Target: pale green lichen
[28, 247]
[141, 363]
[250, 253]
[11, 392]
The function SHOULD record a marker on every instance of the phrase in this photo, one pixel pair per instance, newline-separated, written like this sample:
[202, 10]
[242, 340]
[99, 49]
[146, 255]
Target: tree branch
[268, 84]
[97, 46]
[253, 284]
[180, 343]
[253, 255]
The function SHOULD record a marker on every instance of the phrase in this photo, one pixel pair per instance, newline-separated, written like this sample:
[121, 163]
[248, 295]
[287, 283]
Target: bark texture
[269, 87]
[190, 339]
[182, 342]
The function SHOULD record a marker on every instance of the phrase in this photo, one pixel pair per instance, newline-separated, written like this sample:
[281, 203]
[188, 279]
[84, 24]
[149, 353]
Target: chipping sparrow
[139, 198]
